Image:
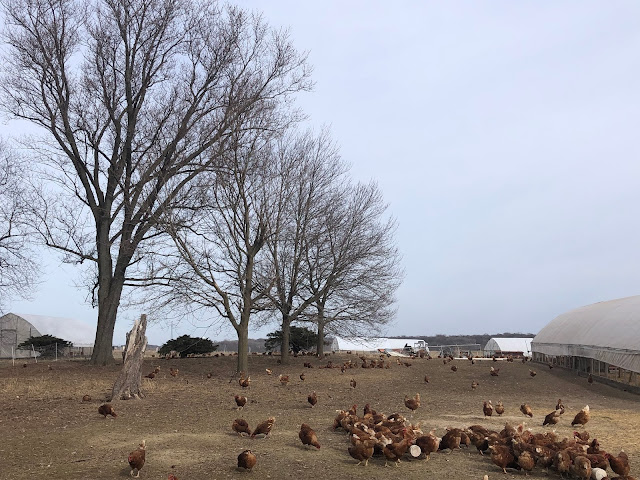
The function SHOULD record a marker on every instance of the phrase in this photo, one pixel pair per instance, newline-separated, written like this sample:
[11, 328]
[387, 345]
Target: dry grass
[186, 420]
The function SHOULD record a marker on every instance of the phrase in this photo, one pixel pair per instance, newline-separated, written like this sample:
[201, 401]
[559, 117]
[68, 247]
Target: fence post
[34, 353]
[13, 356]
[56, 351]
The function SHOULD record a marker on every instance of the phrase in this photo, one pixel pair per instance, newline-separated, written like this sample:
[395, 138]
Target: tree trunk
[320, 343]
[109, 292]
[109, 295]
[127, 385]
[286, 338]
[243, 348]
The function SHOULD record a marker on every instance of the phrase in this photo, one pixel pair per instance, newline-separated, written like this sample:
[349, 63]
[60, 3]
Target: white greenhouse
[376, 344]
[519, 347]
[17, 328]
[14, 330]
[602, 339]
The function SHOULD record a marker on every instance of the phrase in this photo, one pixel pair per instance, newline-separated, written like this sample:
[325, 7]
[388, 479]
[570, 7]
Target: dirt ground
[48, 432]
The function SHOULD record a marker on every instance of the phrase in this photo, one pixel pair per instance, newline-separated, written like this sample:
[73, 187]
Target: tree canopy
[187, 345]
[300, 338]
[45, 344]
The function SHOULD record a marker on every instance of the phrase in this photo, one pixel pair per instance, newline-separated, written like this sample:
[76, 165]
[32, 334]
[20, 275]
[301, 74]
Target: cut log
[127, 385]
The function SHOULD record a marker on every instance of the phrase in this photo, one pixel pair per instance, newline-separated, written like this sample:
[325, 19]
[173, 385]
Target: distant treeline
[480, 339]
[255, 345]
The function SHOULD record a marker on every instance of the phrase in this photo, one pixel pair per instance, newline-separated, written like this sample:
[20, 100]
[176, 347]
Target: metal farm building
[602, 339]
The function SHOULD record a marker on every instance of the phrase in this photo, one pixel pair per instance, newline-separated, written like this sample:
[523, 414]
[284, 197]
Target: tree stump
[127, 385]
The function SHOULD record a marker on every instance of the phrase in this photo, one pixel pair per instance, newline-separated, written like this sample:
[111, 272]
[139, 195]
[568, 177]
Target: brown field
[50, 433]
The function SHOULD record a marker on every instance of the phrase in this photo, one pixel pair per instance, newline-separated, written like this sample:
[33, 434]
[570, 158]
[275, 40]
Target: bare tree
[353, 265]
[217, 262]
[18, 266]
[136, 98]
[314, 168]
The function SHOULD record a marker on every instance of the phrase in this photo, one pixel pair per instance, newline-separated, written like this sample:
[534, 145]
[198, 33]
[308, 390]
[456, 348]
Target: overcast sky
[505, 138]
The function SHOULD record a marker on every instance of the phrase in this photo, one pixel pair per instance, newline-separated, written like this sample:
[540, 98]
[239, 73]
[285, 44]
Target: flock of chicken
[392, 437]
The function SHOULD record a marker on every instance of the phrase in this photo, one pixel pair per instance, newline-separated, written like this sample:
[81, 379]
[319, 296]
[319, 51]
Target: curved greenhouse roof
[502, 344]
[605, 331]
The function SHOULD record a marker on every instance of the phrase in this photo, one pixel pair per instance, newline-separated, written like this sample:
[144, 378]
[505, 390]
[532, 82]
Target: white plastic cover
[605, 331]
[500, 344]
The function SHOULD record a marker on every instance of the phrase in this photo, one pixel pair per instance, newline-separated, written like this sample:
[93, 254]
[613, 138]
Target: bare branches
[353, 264]
[18, 266]
[138, 98]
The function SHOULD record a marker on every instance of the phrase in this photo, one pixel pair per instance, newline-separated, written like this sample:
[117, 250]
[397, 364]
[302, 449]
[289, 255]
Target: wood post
[128, 383]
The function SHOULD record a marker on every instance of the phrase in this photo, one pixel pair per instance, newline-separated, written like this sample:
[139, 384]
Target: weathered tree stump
[127, 385]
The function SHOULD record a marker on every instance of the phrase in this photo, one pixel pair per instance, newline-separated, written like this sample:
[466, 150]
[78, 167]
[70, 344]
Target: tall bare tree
[135, 99]
[216, 264]
[314, 169]
[18, 266]
[353, 265]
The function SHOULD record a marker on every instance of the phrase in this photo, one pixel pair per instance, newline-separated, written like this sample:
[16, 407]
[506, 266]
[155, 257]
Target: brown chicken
[480, 441]
[247, 460]
[86, 398]
[451, 440]
[244, 382]
[532, 373]
[284, 379]
[412, 403]
[352, 383]
[428, 444]
[581, 467]
[106, 409]
[395, 451]
[494, 371]
[501, 456]
[264, 428]
[173, 372]
[362, 450]
[312, 399]
[209, 375]
[619, 464]
[474, 385]
[157, 369]
[526, 461]
[553, 417]
[241, 401]
[454, 368]
[136, 459]
[302, 376]
[308, 436]
[426, 379]
[268, 370]
[241, 427]
[559, 405]
[499, 408]
[582, 417]
[526, 410]
[590, 379]
[598, 460]
[594, 447]
[581, 437]
[487, 409]
[172, 477]
[562, 462]
[151, 375]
